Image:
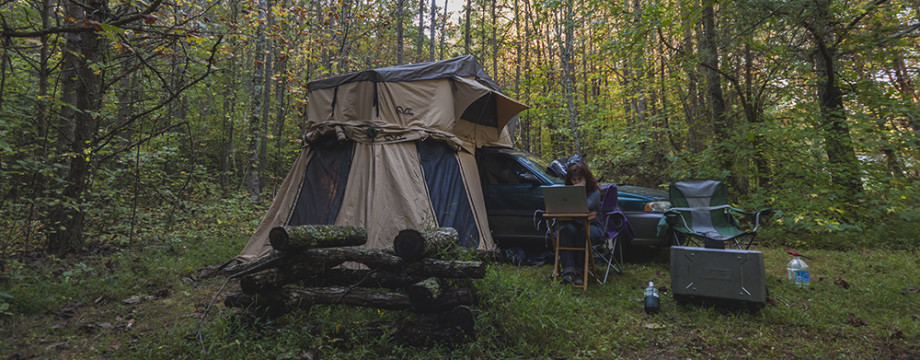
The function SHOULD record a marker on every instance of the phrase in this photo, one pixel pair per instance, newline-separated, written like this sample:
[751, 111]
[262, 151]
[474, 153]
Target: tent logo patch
[404, 111]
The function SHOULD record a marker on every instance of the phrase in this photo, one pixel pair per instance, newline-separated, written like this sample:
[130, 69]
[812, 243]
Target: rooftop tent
[393, 148]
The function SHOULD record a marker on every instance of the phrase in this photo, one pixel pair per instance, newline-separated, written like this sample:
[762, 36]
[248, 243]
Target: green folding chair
[701, 215]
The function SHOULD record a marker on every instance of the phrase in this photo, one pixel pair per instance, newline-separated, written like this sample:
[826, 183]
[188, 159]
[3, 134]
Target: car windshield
[535, 163]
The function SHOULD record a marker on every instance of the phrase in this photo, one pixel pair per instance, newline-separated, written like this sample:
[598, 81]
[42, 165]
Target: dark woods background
[128, 117]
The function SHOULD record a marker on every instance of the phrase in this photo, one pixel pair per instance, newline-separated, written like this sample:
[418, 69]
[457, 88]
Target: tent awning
[479, 104]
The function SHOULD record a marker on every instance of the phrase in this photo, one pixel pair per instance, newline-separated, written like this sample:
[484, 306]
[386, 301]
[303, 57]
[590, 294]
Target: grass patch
[521, 315]
[144, 302]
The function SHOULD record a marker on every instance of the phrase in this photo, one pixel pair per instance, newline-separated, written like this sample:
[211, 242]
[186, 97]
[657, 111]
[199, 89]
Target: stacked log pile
[305, 270]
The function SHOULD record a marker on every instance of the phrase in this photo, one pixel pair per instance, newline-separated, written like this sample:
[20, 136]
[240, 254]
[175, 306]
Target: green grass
[521, 314]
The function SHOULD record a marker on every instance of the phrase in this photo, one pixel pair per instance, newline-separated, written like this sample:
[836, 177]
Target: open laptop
[565, 199]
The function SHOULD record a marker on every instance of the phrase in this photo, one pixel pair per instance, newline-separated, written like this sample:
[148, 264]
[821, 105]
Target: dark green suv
[511, 181]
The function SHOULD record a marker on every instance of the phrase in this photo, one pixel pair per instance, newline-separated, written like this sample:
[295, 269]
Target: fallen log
[446, 269]
[289, 238]
[413, 245]
[291, 299]
[273, 279]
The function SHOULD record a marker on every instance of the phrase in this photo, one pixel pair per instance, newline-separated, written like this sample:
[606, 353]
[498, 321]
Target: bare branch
[105, 139]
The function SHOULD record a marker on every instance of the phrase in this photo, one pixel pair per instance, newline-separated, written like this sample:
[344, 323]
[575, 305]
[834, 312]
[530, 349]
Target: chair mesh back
[697, 194]
[612, 219]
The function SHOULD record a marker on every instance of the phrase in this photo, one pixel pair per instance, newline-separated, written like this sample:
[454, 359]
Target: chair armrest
[755, 214]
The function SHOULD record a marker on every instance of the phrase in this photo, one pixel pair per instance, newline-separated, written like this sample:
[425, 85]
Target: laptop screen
[565, 199]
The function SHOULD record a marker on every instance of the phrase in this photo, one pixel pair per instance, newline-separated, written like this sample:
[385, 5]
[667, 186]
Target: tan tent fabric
[417, 105]
[280, 210]
[408, 111]
[391, 196]
[385, 112]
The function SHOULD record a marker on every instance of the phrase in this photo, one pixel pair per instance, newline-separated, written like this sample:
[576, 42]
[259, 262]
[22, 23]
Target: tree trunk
[696, 134]
[399, 31]
[421, 30]
[6, 62]
[280, 116]
[494, 40]
[709, 51]
[82, 92]
[466, 27]
[754, 114]
[527, 122]
[43, 73]
[906, 89]
[267, 80]
[289, 238]
[838, 144]
[566, 51]
[518, 41]
[443, 30]
[431, 29]
[255, 136]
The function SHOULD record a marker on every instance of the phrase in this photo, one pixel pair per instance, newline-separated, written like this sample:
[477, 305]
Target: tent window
[483, 111]
[447, 190]
[324, 182]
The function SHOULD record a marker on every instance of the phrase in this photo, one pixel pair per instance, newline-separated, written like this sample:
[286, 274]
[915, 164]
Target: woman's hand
[592, 215]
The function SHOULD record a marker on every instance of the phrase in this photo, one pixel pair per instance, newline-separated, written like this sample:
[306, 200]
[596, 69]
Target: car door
[512, 194]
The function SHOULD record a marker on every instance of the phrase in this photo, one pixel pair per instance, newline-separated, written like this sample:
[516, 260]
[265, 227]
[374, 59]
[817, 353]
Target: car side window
[500, 170]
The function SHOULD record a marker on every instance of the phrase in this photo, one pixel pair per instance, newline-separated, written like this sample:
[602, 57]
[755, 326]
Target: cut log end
[413, 245]
[424, 292]
[409, 244]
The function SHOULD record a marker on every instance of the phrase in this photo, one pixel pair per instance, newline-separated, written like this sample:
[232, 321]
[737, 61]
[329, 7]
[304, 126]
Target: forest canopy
[117, 115]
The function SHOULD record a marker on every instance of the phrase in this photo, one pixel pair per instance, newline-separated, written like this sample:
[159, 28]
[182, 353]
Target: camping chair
[619, 233]
[701, 212]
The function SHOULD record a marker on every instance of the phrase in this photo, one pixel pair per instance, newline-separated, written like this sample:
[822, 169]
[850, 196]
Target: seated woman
[572, 233]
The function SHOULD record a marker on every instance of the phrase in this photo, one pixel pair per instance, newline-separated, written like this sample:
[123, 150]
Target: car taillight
[657, 206]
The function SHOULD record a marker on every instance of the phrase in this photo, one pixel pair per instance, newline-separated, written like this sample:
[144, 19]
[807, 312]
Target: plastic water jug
[652, 301]
[797, 270]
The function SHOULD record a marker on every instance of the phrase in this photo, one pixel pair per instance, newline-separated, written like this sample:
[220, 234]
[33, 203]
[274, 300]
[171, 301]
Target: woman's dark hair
[581, 169]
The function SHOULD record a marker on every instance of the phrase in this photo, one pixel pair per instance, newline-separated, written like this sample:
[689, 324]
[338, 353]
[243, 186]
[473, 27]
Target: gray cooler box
[731, 278]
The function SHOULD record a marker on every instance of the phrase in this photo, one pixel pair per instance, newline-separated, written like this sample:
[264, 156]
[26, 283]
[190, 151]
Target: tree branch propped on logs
[288, 299]
[382, 259]
[273, 279]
